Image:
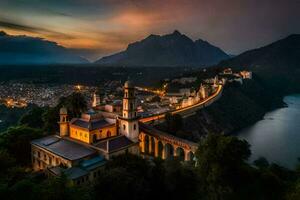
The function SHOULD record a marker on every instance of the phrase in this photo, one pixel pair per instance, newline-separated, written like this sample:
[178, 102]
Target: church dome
[63, 111]
[128, 84]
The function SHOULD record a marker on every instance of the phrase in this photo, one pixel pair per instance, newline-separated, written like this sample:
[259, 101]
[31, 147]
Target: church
[85, 144]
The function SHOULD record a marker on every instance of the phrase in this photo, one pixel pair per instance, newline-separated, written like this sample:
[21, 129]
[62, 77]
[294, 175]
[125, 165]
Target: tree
[181, 181]
[261, 163]
[51, 118]
[59, 188]
[76, 104]
[220, 163]
[131, 177]
[6, 162]
[16, 140]
[127, 177]
[33, 118]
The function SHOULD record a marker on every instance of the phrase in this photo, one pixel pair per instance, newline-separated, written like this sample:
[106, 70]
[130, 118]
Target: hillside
[239, 107]
[277, 64]
[20, 50]
[276, 72]
[174, 49]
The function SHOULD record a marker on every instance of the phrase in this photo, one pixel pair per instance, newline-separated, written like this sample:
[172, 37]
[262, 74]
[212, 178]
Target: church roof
[92, 124]
[115, 143]
[67, 149]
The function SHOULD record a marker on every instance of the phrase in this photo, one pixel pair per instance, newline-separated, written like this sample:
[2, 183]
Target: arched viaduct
[160, 144]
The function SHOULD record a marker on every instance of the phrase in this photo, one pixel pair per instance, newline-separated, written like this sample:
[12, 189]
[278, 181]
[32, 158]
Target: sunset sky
[95, 28]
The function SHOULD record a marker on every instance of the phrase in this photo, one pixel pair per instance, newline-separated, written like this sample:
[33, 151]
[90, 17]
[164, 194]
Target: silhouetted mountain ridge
[282, 54]
[21, 50]
[173, 49]
[276, 64]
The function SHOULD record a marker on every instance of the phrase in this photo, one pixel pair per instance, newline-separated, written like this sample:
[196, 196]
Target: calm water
[277, 136]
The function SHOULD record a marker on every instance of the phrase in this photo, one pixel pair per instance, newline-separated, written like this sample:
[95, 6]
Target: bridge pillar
[142, 143]
[186, 155]
[163, 152]
[175, 151]
[156, 148]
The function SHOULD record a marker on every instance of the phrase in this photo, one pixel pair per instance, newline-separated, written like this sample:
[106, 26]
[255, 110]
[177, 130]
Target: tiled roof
[80, 170]
[63, 147]
[115, 143]
[93, 163]
[91, 125]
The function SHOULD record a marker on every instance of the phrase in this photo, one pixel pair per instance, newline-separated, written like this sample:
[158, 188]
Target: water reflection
[277, 136]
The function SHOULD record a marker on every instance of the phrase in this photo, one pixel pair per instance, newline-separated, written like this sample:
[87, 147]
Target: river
[277, 136]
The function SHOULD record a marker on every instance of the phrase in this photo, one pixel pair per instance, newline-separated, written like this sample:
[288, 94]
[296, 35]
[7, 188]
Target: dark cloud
[233, 25]
[31, 29]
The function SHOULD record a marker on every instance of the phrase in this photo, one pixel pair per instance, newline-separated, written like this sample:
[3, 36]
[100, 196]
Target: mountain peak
[176, 32]
[174, 49]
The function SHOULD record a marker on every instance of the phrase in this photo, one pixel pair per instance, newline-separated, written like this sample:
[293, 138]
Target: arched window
[124, 127]
[94, 138]
[108, 134]
[126, 94]
[134, 127]
[131, 106]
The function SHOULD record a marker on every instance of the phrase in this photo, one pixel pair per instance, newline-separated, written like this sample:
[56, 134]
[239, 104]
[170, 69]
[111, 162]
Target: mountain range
[174, 49]
[20, 50]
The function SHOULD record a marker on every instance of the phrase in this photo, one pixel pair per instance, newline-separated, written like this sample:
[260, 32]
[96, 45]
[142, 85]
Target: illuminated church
[85, 144]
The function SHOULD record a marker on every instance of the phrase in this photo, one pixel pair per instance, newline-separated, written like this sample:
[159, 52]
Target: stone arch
[190, 156]
[160, 149]
[146, 144]
[180, 153]
[169, 151]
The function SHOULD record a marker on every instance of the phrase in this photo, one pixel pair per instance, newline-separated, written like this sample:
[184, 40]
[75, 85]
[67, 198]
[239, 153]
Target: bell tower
[128, 122]
[63, 122]
[96, 100]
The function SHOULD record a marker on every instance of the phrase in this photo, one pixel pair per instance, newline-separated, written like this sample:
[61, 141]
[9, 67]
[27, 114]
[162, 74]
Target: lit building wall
[80, 134]
[41, 159]
[92, 136]
[103, 133]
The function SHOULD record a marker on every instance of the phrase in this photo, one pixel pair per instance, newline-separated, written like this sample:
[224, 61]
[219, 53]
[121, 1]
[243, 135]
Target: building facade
[84, 144]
